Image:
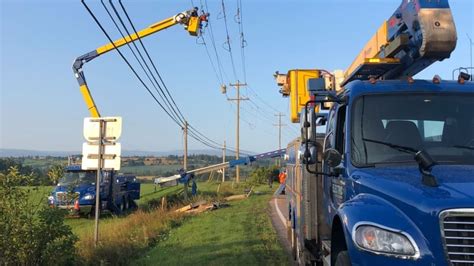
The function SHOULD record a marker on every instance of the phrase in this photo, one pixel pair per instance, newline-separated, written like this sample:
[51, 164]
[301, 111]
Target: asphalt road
[279, 216]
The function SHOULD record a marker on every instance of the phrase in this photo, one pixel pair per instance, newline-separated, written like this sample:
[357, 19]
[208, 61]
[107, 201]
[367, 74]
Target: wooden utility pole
[238, 99]
[279, 125]
[223, 160]
[185, 160]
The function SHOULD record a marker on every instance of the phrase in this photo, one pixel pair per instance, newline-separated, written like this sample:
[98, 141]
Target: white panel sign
[111, 156]
[113, 128]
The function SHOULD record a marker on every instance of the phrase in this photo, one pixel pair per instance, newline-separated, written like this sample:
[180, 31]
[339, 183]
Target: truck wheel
[131, 203]
[294, 249]
[288, 231]
[343, 259]
[126, 203]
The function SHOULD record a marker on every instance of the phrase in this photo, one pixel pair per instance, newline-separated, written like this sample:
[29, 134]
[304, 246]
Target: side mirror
[332, 157]
[311, 155]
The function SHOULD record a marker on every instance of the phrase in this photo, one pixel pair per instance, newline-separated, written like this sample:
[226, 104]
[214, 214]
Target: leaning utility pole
[238, 99]
[223, 160]
[185, 160]
[279, 125]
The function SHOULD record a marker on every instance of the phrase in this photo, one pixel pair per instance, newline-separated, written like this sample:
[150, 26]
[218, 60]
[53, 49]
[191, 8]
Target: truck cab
[75, 191]
[394, 181]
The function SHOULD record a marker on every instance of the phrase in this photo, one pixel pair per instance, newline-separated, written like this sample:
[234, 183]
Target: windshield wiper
[423, 158]
[464, 147]
[406, 149]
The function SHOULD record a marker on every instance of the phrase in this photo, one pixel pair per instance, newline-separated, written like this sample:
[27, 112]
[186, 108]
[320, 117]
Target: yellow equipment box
[299, 95]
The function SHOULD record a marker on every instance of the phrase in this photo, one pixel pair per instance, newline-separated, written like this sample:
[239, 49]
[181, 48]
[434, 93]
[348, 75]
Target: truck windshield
[440, 124]
[79, 177]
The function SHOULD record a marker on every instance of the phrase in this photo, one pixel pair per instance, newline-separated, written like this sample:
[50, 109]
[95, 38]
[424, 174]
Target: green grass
[147, 192]
[241, 234]
[82, 226]
[39, 194]
[125, 238]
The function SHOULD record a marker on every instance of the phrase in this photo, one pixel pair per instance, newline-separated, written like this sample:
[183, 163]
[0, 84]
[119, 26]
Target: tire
[343, 259]
[124, 204]
[127, 203]
[294, 249]
[131, 203]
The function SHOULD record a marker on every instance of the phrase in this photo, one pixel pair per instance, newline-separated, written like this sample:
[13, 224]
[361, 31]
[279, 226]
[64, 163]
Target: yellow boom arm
[190, 19]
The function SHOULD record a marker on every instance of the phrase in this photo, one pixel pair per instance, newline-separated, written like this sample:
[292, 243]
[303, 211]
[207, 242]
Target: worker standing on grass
[185, 180]
[194, 185]
[282, 179]
[282, 176]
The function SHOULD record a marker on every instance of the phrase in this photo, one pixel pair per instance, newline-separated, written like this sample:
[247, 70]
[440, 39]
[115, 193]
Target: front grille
[458, 230]
[64, 198]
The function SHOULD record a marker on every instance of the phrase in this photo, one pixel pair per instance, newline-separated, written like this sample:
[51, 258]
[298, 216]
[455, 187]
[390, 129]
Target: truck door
[334, 185]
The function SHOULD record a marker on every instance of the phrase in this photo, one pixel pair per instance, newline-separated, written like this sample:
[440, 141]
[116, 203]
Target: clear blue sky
[41, 107]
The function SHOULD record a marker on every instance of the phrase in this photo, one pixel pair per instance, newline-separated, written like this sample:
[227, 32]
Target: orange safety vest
[282, 177]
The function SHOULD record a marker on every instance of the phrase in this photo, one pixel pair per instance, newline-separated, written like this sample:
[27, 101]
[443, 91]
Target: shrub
[31, 233]
[261, 175]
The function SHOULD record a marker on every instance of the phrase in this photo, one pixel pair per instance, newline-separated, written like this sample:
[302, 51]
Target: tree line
[38, 176]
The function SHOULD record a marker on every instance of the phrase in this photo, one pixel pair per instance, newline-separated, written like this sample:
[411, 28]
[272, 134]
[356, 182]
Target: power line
[156, 86]
[229, 48]
[194, 132]
[219, 62]
[243, 42]
[141, 80]
[262, 100]
[149, 58]
[218, 75]
[211, 61]
[127, 62]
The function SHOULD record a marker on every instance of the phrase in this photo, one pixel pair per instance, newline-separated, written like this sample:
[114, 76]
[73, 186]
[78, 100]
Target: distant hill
[24, 153]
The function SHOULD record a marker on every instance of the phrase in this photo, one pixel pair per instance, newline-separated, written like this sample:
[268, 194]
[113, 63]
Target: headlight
[377, 240]
[88, 197]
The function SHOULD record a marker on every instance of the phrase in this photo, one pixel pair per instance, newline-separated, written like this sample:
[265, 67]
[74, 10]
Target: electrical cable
[149, 58]
[243, 42]
[127, 62]
[140, 79]
[190, 127]
[162, 95]
[229, 48]
[213, 41]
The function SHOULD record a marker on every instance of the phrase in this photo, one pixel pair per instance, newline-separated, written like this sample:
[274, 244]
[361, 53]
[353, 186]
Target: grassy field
[241, 234]
[39, 194]
[83, 226]
[44, 164]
